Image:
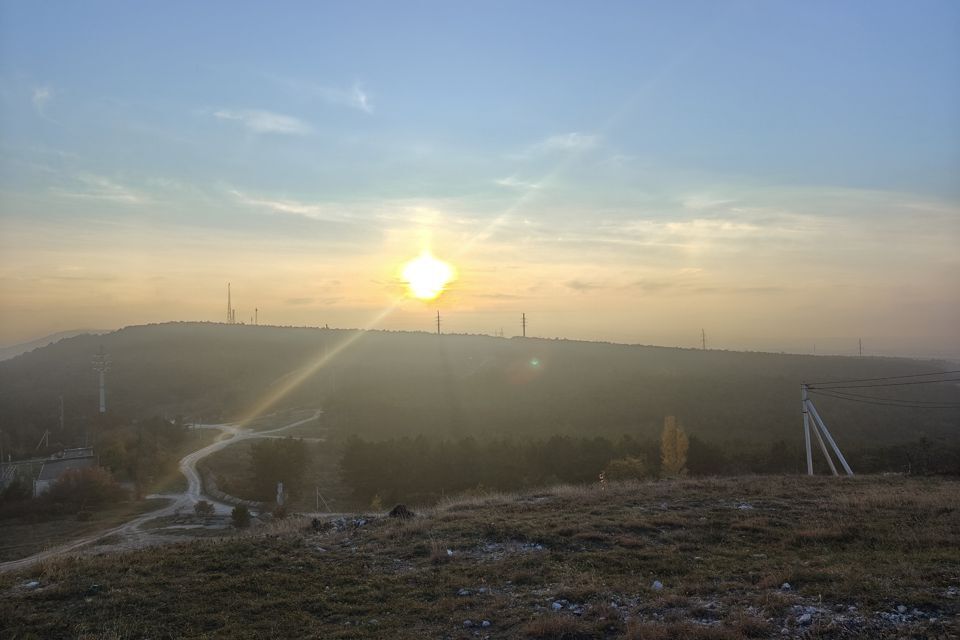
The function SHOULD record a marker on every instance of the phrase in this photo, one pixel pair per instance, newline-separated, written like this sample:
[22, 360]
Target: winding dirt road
[130, 532]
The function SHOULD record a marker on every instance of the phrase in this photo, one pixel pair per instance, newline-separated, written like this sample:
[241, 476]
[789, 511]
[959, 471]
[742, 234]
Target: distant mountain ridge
[385, 384]
[14, 350]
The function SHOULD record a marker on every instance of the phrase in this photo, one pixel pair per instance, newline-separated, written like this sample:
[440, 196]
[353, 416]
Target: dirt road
[130, 532]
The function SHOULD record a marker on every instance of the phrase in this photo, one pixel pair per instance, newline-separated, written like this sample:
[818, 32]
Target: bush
[628, 468]
[203, 509]
[85, 488]
[240, 517]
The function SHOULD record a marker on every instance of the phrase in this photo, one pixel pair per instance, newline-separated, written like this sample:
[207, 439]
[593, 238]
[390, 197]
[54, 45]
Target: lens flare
[427, 277]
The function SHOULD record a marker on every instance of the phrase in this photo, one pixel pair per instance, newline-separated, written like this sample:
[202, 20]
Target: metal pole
[826, 432]
[806, 428]
[103, 394]
[823, 447]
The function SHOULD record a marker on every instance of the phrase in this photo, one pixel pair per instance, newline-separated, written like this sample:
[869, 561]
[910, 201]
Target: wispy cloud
[582, 286]
[353, 97]
[260, 121]
[100, 188]
[314, 211]
[41, 96]
[514, 182]
[564, 142]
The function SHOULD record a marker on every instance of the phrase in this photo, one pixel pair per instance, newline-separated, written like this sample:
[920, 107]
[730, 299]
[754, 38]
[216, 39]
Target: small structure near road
[59, 463]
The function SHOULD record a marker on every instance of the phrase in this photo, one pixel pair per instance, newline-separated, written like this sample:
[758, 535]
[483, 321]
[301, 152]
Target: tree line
[421, 470]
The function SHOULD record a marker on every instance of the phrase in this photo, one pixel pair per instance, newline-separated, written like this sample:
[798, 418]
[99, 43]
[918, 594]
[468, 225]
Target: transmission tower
[101, 364]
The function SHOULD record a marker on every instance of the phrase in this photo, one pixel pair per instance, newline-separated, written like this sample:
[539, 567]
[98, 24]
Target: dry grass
[870, 543]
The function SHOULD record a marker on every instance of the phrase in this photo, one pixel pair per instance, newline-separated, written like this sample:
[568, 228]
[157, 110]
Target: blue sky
[685, 156]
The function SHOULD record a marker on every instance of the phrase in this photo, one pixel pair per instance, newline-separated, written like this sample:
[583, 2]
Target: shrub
[628, 468]
[240, 517]
[203, 509]
[85, 488]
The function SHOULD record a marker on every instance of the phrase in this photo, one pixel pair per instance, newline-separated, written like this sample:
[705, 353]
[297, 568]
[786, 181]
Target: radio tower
[101, 364]
[229, 306]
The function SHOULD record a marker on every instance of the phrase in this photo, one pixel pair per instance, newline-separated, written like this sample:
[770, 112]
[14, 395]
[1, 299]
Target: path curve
[188, 467]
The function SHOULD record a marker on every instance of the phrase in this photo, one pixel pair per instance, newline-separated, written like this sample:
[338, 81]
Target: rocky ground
[764, 557]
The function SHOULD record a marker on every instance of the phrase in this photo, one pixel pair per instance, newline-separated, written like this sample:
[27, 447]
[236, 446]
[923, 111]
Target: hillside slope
[390, 384]
[698, 559]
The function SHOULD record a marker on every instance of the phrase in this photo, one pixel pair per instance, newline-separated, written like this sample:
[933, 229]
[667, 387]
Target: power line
[891, 402]
[882, 384]
[912, 375]
[839, 394]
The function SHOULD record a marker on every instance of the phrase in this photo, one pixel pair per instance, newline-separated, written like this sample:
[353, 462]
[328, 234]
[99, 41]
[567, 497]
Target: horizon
[848, 353]
[782, 176]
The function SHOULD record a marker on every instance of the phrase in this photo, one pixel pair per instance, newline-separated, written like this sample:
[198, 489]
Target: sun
[426, 277]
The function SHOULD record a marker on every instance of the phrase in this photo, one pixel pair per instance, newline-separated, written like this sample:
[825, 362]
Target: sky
[784, 176]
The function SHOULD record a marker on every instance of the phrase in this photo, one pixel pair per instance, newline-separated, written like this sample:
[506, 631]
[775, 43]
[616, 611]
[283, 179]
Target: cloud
[101, 188]
[580, 285]
[564, 142]
[260, 121]
[41, 96]
[291, 207]
[513, 182]
[353, 97]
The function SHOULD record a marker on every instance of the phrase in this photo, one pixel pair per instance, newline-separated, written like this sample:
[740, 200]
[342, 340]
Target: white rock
[657, 585]
[449, 552]
[901, 609]
[556, 606]
[485, 624]
[33, 584]
[468, 623]
[785, 586]
[805, 619]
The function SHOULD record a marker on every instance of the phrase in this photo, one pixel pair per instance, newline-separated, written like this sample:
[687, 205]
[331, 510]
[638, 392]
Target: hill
[14, 350]
[388, 384]
[694, 559]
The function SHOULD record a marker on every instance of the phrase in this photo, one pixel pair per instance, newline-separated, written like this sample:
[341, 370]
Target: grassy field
[22, 537]
[701, 559]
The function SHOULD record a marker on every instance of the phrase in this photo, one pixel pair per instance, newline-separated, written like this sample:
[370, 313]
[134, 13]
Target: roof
[82, 452]
[53, 469]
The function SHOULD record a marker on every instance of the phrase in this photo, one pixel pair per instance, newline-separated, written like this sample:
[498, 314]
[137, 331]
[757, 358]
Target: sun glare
[426, 277]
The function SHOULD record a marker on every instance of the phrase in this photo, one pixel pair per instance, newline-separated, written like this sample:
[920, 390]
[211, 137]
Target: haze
[782, 175]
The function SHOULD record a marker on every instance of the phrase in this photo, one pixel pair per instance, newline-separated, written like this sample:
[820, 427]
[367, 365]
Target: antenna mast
[523, 323]
[101, 364]
[703, 340]
[438, 322]
[229, 306]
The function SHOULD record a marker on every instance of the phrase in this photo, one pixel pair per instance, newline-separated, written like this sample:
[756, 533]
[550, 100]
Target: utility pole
[523, 323]
[101, 364]
[438, 322]
[256, 315]
[703, 340]
[860, 342]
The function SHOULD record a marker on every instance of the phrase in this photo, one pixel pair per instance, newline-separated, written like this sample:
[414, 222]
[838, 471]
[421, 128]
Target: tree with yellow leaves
[673, 449]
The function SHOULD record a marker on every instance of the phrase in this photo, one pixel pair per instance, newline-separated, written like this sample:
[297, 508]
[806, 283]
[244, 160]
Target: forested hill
[393, 384]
